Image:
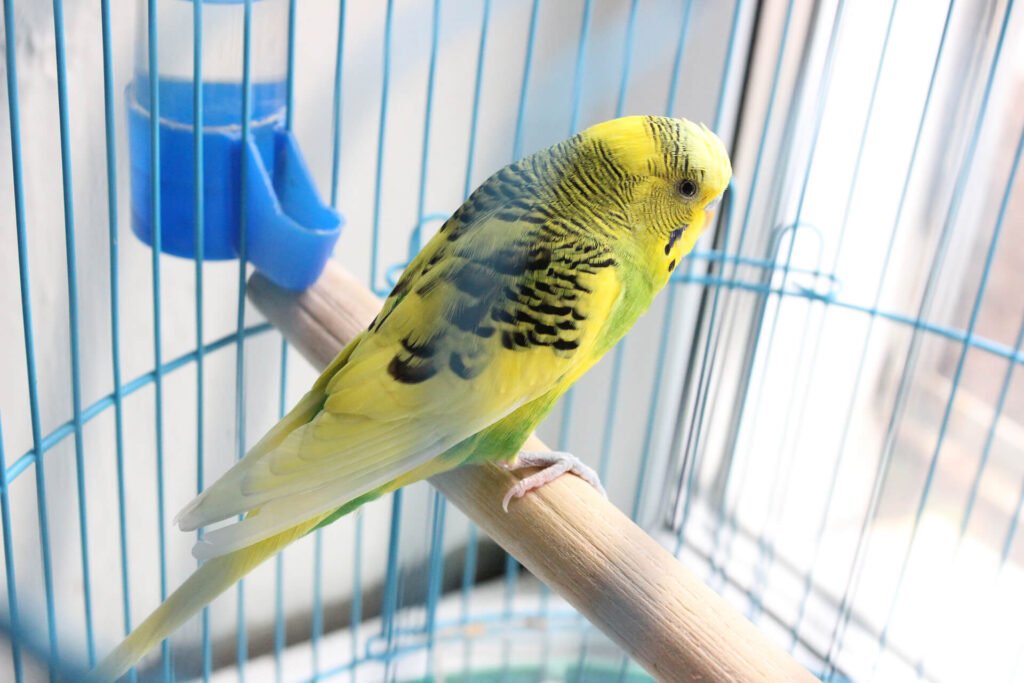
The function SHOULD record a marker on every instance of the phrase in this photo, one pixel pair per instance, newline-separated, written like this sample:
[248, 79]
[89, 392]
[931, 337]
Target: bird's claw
[554, 464]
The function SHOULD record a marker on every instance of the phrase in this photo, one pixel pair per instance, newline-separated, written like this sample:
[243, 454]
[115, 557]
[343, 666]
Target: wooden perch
[566, 534]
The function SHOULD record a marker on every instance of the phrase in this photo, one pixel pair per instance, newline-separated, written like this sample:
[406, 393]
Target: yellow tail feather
[209, 581]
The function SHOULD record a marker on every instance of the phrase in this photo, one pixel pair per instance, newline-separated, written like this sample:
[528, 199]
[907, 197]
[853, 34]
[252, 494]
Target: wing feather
[474, 329]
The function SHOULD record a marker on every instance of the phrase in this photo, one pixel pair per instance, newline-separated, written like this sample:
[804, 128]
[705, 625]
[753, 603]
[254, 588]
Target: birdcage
[821, 416]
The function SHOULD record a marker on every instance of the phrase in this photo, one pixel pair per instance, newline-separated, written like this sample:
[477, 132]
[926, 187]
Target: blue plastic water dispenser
[290, 231]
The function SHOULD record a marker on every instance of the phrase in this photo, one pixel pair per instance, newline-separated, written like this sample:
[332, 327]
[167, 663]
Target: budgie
[539, 273]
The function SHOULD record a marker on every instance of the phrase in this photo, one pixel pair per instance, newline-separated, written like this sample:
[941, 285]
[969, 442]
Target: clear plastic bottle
[222, 57]
[289, 230]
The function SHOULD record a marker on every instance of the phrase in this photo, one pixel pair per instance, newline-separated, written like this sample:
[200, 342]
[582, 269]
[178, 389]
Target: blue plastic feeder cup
[290, 231]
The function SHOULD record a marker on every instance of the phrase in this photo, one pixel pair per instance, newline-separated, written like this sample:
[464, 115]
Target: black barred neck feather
[604, 183]
[572, 190]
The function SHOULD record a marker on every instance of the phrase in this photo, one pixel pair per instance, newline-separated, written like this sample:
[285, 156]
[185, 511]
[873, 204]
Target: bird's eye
[688, 189]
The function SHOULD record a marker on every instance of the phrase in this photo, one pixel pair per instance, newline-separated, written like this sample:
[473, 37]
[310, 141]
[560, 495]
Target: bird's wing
[488, 317]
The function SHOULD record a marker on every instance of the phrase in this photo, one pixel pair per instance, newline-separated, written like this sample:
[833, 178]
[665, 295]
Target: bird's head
[672, 173]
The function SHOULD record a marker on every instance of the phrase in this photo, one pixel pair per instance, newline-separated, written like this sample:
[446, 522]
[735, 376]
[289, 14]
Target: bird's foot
[555, 464]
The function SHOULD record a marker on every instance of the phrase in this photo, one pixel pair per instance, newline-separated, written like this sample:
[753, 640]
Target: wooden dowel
[566, 533]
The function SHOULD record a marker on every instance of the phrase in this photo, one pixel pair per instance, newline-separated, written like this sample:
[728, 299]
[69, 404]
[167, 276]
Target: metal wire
[14, 122]
[110, 135]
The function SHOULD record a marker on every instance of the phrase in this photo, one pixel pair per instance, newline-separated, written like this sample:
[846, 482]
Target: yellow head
[670, 171]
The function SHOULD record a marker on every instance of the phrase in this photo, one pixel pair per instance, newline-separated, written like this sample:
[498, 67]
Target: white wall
[547, 120]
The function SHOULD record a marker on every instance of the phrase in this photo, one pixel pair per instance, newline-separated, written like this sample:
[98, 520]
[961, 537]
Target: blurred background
[822, 415]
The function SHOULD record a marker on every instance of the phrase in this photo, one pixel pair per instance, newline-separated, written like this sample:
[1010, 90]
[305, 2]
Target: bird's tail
[210, 580]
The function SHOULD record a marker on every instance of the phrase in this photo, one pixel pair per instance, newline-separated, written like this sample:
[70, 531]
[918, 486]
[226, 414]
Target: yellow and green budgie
[539, 273]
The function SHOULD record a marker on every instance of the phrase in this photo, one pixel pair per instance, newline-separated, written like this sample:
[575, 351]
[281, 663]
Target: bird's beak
[709, 208]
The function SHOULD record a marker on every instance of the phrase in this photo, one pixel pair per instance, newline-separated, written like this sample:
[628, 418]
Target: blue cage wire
[822, 415]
